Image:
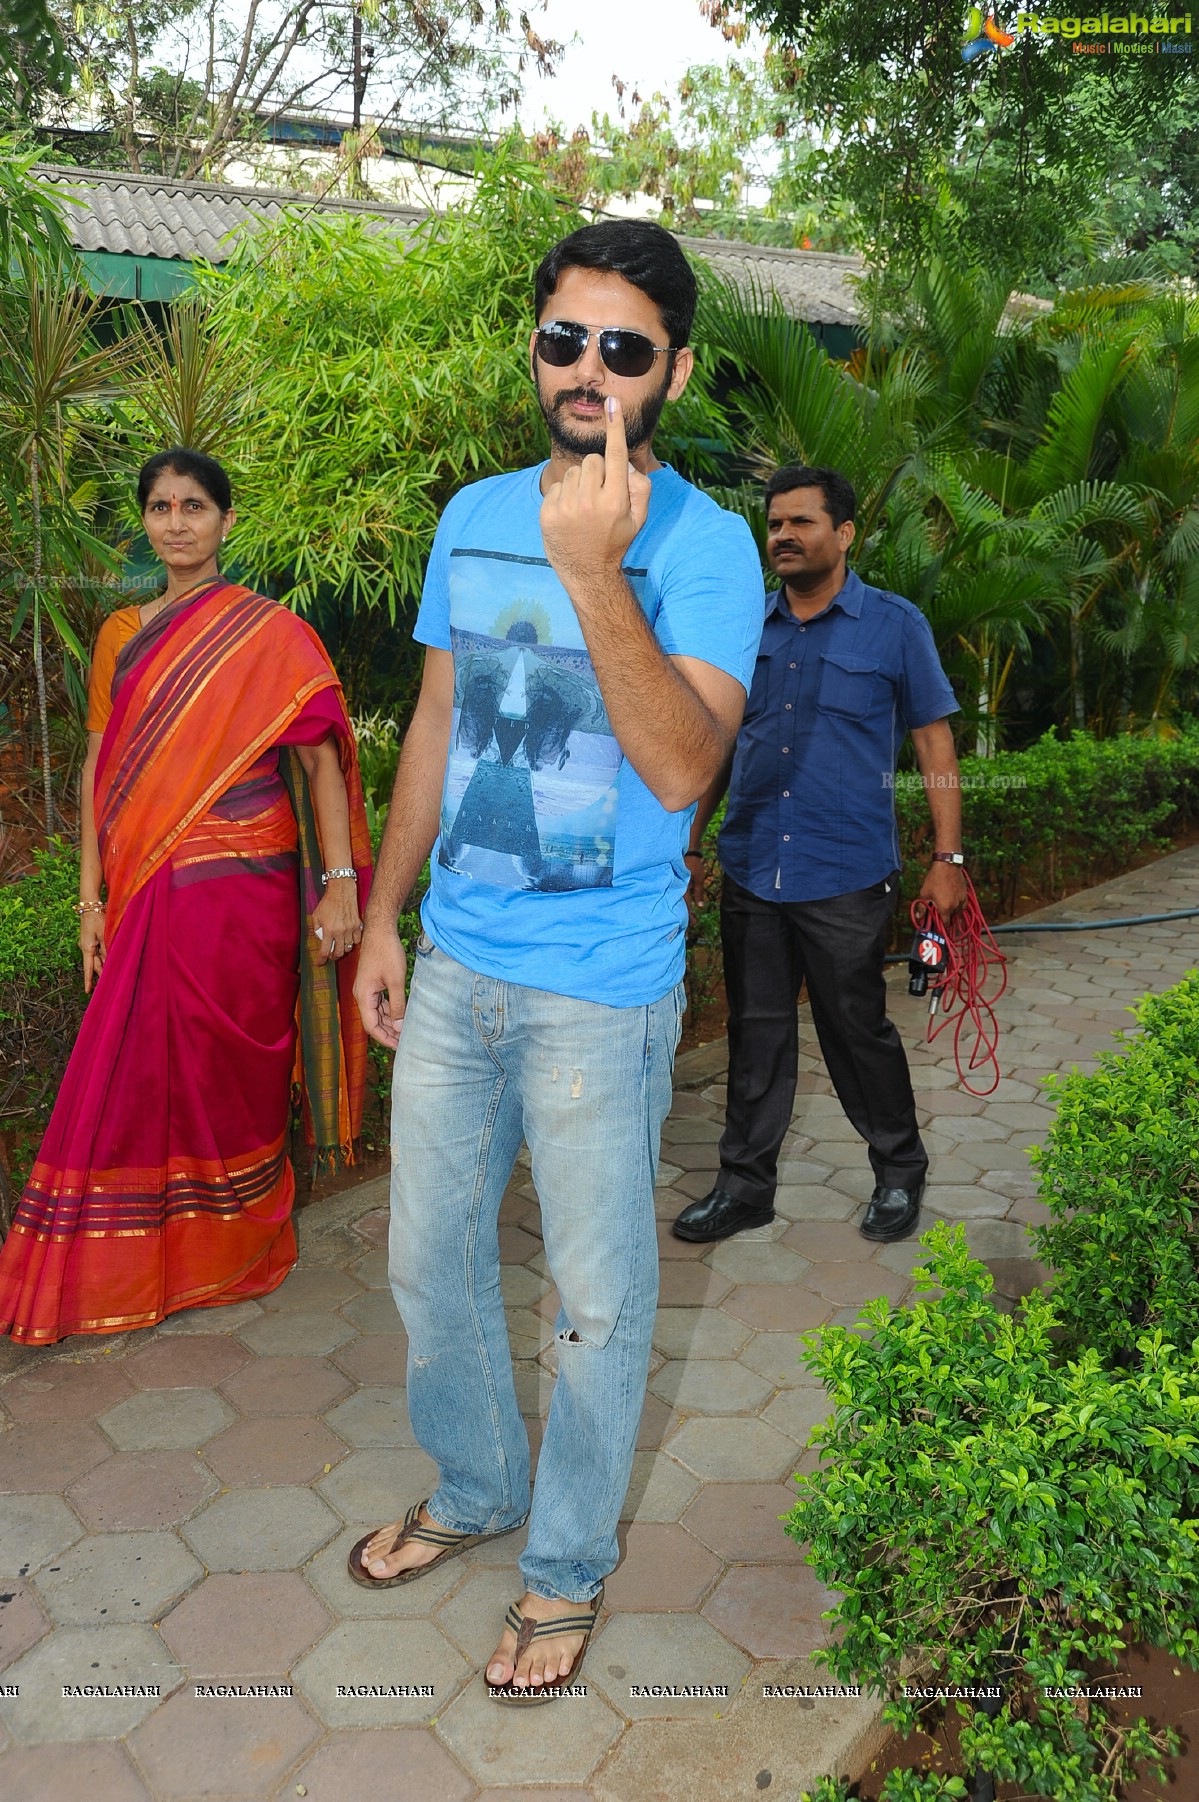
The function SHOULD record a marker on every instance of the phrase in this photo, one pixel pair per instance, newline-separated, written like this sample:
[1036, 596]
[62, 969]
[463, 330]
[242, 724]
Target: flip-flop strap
[527, 1629]
[415, 1528]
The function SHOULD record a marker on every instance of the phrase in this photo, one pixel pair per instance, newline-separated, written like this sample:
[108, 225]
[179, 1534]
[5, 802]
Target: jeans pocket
[425, 946]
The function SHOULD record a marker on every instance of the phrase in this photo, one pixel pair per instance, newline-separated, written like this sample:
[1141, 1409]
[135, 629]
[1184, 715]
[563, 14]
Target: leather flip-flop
[527, 1630]
[449, 1542]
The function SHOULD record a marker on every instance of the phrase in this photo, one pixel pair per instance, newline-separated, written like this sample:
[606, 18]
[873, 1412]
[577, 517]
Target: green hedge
[1120, 1175]
[1058, 816]
[1015, 1500]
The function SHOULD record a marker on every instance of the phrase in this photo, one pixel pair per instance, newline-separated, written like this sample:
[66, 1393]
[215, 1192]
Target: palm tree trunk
[1077, 698]
[39, 665]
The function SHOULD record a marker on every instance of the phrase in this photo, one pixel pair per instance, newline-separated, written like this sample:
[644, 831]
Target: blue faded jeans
[482, 1063]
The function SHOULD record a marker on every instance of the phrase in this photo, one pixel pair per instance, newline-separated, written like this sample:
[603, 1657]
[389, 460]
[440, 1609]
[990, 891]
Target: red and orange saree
[162, 1182]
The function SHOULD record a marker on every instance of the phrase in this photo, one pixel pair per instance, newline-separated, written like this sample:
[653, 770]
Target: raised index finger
[616, 449]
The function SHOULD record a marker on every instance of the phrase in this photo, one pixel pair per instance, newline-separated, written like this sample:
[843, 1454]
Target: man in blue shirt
[590, 629]
[810, 855]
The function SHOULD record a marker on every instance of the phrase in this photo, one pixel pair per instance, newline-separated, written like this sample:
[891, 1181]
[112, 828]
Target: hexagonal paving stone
[368, 1486]
[22, 1623]
[377, 1358]
[403, 1764]
[91, 1659]
[773, 1307]
[772, 1613]
[255, 1529]
[374, 1226]
[285, 1386]
[123, 1577]
[63, 1391]
[664, 1651]
[818, 1201]
[381, 1655]
[720, 1451]
[998, 1239]
[186, 1361]
[521, 1288]
[38, 1458]
[135, 1490]
[826, 1240]
[310, 1290]
[166, 1420]
[698, 1333]
[228, 1319]
[473, 1617]
[710, 1386]
[684, 1285]
[778, 1356]
[331, 1580]
[374, 1311]
[796, 1411]
[34, 1529]
[297, 1333]
[373, 1416]
[268, 1450]
[562, 1742]
[661, 1567]
[370, 1270]
[659, 1488]
[99, 1771]
[658, 1422]
[216, 1746]
[248, 1624]
[845, 1283]
[760, 1263]
[741, 1522]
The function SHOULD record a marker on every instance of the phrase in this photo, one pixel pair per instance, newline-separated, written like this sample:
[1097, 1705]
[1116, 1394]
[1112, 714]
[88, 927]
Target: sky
[649, 43]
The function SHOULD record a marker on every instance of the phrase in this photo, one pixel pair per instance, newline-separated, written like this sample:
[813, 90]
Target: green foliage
[41, 1000]
[1120, 1175]
[1059, 815]
[39, 929]
[1002, 163]
[1000, 1514]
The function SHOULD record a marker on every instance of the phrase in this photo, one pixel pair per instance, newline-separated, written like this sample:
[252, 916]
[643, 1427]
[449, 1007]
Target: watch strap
[957, 857]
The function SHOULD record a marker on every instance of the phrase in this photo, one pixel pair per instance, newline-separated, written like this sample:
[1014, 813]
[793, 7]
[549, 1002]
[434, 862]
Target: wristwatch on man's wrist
[949, 857]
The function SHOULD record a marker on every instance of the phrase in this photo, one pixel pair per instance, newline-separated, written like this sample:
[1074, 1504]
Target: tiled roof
[149, 216]
[812, 284]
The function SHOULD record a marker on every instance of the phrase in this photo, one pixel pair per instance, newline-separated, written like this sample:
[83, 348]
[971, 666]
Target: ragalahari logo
[983, 35]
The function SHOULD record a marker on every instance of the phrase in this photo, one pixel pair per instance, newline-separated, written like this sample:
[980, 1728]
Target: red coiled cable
[973, 962]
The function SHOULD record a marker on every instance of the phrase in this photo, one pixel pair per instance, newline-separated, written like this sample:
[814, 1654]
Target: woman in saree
[222, 808]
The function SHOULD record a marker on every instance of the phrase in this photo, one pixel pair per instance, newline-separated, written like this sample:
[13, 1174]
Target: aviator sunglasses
[561, 342]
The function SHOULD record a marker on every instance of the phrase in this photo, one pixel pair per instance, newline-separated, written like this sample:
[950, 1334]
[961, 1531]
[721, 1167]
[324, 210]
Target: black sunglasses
[561, 342]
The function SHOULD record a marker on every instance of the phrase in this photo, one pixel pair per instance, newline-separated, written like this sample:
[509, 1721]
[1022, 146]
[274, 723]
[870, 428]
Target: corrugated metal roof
[147, 215]
[812, 284]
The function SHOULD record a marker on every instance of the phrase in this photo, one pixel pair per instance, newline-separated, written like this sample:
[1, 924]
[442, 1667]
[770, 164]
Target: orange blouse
[111, 639]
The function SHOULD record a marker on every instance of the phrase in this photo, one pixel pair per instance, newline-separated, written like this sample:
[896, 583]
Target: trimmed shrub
[996, 1514]
[1120, 1175]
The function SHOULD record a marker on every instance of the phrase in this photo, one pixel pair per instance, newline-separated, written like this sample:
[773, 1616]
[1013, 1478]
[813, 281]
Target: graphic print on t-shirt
[531, 794]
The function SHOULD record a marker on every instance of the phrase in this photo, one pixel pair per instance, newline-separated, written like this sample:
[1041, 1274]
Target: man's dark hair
[840, 501]
[180, 462]
[643, 253]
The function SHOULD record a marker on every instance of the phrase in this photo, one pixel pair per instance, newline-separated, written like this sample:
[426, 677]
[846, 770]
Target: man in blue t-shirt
[811, 857]
[590, 629]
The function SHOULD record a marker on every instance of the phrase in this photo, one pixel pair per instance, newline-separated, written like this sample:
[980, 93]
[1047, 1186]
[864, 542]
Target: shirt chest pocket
[847, 684]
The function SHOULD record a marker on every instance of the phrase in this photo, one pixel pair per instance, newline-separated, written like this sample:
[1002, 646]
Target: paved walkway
[176, 1506]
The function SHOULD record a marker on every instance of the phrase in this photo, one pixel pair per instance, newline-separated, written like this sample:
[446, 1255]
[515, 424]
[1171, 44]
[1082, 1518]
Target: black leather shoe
[892, 1213]
[718, 1215]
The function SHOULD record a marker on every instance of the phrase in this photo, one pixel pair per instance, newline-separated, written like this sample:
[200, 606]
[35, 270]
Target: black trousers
[837, 946]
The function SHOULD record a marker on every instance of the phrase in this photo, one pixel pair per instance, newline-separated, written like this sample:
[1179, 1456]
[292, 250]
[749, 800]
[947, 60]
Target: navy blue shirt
[811, 809]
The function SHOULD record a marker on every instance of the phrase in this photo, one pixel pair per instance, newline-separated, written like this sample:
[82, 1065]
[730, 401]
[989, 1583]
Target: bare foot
[378, 1560]
[547, 1660]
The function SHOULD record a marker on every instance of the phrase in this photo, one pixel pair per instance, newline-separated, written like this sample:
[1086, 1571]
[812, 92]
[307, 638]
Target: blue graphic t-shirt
[555, 866]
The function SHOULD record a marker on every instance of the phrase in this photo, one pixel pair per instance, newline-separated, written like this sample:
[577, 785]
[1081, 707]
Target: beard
[575, 440]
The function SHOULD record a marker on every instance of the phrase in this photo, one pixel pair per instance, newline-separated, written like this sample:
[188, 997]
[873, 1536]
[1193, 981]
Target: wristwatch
[948, 857]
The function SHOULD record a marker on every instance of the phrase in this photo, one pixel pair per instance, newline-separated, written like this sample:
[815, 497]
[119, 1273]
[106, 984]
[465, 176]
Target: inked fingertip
[610, 403]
